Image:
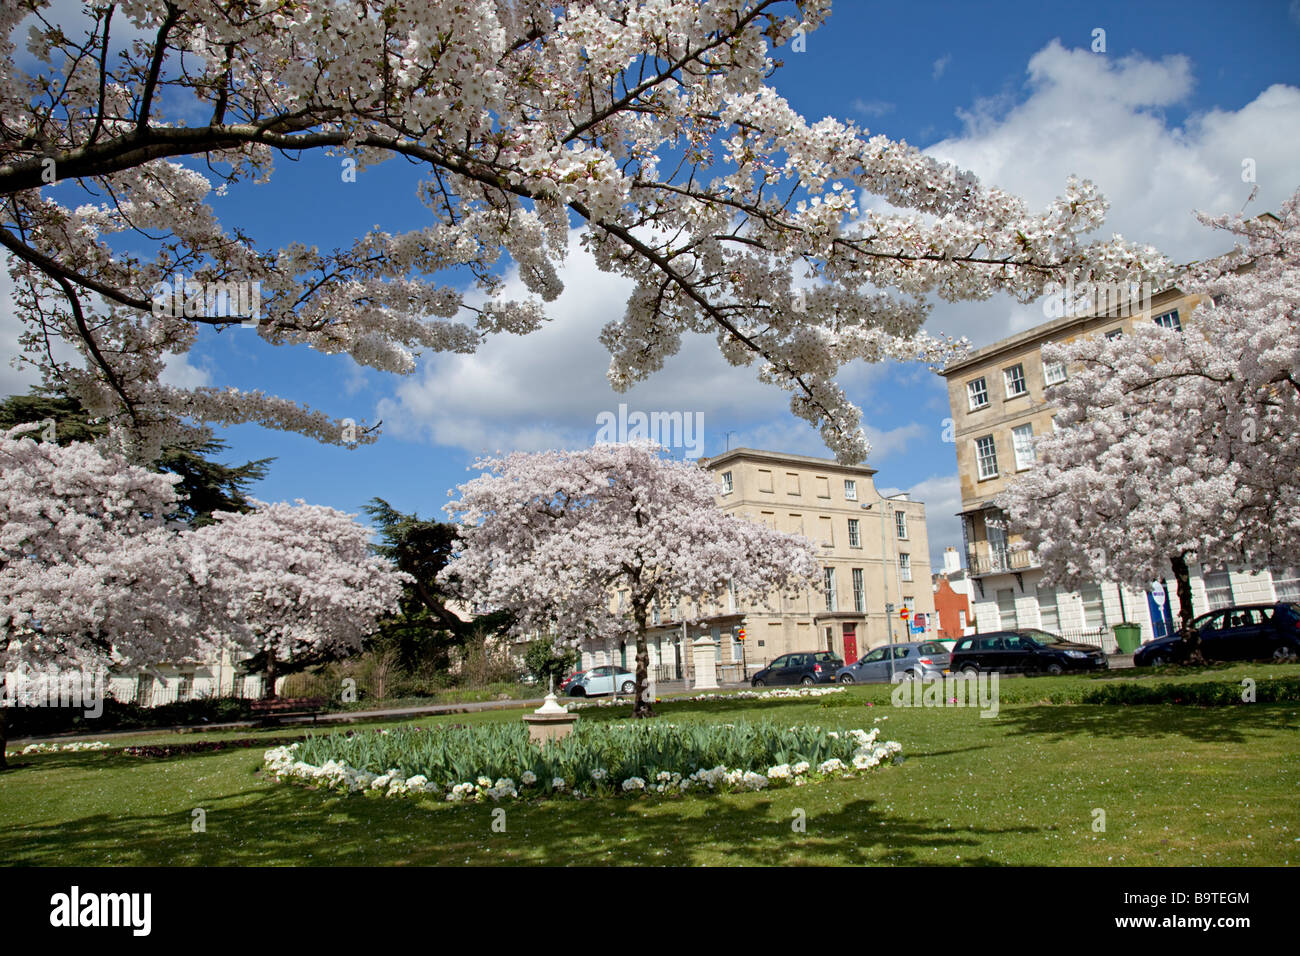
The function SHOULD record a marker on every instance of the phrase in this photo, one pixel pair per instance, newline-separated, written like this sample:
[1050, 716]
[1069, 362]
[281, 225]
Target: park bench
[274, 711]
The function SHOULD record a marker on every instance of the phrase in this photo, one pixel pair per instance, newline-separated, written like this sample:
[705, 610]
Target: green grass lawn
[1178, 784]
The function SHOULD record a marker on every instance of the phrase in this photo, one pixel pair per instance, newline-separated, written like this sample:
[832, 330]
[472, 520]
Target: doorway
[850, 643]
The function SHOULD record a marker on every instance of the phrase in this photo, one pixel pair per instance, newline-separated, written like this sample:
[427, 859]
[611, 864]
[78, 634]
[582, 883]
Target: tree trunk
[4, 737]
[641, 707]
[268, 676]
[1185, 630]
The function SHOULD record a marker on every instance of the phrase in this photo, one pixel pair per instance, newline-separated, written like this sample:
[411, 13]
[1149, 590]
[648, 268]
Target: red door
[850, 643]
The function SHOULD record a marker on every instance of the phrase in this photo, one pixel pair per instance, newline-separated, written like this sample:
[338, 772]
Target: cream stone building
[998, 401]
[876, 556]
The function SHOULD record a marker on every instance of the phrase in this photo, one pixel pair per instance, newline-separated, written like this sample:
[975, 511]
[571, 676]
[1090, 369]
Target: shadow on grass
[1229, 724]
[283, 824]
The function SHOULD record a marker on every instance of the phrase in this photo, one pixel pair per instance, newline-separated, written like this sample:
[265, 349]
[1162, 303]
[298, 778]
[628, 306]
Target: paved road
[666, 689]
[670, 689]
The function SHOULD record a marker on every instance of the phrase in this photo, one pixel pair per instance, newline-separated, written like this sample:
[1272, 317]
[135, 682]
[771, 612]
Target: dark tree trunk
[268, 676]
[4, 737]
[641, 707]
[1183, 577]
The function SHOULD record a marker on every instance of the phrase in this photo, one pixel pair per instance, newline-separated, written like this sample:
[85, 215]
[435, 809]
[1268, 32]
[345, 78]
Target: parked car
[565, 684]
[1242, 633]
[913, 659]
[602, 680]
[1026, 651]
[802, 667]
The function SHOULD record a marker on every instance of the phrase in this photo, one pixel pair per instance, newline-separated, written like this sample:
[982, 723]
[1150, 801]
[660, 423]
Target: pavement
[665, 689]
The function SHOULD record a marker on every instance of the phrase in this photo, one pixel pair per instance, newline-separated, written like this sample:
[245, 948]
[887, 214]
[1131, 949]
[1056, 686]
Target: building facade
[952, 598]
[875, 560]
[998, 399]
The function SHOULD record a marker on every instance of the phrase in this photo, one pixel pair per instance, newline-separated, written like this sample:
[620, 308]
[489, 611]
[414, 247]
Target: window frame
[970, 393]
[1016, 446]
[1177, 325]
[980, 458]
[1007, 381]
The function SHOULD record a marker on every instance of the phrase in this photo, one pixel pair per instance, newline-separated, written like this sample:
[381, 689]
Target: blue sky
[1161, 121]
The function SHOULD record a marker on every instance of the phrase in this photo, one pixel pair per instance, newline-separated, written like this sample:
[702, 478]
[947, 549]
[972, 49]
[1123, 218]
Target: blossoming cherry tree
[553, 536]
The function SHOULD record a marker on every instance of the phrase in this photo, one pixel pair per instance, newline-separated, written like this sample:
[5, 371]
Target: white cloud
[1102, 118]
[941, 495]
[178, 372]
[14, 378]
[74, 19]
[941, 65]
[16, 375]
[545, 389]
[872, 107]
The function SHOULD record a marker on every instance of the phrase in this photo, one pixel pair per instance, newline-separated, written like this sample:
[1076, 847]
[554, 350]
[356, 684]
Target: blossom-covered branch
[651, 124]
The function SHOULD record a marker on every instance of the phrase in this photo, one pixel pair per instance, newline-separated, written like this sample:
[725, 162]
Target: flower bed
[203, 746]
[496, 761]
[781, 693]
[74, 747]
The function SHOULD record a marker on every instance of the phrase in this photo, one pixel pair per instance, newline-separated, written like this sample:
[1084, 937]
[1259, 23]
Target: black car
[1026, 651]
[802, 667]
[1244, 633]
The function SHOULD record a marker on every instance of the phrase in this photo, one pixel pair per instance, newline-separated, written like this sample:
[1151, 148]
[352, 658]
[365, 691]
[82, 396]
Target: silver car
[602, 680]
[911, 660]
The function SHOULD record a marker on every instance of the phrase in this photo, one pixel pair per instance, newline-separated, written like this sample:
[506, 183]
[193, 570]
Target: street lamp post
[885, 513]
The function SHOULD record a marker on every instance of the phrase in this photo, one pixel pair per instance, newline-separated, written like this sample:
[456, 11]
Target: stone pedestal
[706, 668]
[549, 722]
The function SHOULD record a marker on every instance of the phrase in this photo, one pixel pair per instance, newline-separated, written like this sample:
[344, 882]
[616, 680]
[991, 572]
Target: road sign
[919, 620]
[889, 608]
[904, 612]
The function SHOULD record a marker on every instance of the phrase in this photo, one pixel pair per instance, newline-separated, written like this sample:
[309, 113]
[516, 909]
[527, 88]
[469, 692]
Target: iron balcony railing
[1001, 561]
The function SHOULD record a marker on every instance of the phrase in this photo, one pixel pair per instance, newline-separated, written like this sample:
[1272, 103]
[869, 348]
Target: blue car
[1246, 633]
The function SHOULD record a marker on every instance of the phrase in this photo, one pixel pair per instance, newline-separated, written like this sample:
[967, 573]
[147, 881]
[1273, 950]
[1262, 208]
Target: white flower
[633, 783]
[528, 777]
[558, 783]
